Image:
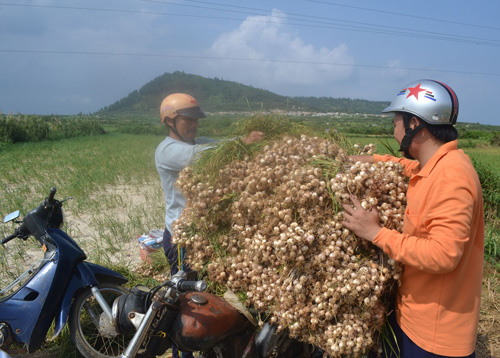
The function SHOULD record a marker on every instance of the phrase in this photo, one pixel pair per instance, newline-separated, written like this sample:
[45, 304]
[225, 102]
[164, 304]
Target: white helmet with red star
[433, 101]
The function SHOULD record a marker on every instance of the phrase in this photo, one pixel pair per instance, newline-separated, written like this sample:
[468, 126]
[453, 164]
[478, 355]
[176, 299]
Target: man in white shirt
[180, 112]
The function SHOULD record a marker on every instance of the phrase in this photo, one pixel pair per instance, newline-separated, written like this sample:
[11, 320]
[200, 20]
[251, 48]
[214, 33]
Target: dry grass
[488, 335]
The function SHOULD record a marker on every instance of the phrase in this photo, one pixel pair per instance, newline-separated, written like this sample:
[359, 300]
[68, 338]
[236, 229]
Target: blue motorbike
[61, 288]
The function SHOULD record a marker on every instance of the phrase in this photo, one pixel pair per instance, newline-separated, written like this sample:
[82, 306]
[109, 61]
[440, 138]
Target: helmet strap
[409, 134]
[174, 129]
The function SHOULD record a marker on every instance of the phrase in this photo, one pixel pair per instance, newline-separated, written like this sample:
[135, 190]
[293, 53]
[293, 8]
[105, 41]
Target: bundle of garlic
[270, 227]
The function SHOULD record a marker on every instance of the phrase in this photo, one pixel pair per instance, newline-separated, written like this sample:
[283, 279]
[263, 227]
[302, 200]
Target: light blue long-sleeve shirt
[171, 156]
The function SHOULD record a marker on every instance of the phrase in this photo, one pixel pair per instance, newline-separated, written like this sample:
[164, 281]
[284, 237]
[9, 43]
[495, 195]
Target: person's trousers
[171, 253]
[405, 348]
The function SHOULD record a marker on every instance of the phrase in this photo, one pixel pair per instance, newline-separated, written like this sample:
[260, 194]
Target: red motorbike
[180, 312]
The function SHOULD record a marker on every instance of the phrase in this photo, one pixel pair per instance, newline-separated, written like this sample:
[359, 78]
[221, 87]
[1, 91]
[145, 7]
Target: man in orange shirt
[437, 305]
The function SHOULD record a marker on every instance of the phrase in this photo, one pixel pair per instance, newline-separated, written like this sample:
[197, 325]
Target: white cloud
[394, 70]
[276, 57]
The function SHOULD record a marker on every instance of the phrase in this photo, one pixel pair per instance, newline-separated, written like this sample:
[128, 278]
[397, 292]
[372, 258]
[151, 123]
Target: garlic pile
[270, 227]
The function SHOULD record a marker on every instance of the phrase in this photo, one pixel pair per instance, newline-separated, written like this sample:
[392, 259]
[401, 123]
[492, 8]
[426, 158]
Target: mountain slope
[216, 95]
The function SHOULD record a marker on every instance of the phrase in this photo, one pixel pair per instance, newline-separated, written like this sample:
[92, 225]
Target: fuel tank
[205, 320]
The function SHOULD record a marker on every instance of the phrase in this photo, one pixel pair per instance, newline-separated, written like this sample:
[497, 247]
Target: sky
[78, 56]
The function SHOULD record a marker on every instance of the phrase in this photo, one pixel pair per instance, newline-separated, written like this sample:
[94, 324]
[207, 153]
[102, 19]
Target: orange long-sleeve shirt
[442, 248]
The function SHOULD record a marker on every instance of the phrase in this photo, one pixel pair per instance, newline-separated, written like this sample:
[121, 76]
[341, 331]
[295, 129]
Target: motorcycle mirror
[11, 216]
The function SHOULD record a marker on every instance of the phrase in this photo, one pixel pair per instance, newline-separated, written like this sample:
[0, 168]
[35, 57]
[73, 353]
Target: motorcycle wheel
[84, 326]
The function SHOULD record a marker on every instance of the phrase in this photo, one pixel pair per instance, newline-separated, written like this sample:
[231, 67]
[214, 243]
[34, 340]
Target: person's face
[399, 128]
[186, 127]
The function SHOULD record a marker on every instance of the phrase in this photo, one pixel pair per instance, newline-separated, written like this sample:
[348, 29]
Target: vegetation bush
[495, 140]
[28, 128]
[467, 143]
[489, 182]
[472, 134]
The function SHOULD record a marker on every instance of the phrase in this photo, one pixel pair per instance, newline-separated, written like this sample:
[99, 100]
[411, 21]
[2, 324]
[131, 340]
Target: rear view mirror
[11, 216]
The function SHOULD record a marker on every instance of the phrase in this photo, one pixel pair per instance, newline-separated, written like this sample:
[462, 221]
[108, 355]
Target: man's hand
[363, 223]
[253, 137]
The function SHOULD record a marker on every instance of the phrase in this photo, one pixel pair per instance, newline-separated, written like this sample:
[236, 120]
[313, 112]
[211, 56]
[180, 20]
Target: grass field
[117, 196]
[487, 155]
[112, 180]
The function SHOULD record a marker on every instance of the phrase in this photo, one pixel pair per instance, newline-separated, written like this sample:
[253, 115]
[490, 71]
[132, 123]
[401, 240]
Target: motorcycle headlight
[128, 310]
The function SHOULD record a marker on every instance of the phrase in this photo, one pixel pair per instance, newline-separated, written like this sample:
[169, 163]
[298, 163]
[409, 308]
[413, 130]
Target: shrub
[495, 140]
[489, 182]
[27, 128]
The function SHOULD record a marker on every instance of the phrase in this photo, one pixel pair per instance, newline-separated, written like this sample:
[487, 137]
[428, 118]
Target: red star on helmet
[414, 91]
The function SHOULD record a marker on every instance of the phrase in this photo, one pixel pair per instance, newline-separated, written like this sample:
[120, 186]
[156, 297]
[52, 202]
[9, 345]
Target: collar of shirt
[442, 151]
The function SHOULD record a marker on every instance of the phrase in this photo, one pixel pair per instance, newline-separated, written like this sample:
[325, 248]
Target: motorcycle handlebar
[10, 237]
[52, 193]
[35, 222]
[186, 286]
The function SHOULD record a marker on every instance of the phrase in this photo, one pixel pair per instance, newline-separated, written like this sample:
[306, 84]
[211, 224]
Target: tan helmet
[180, 104]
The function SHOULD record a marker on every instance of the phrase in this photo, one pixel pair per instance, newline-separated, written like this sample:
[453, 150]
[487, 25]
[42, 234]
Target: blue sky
[67, 57]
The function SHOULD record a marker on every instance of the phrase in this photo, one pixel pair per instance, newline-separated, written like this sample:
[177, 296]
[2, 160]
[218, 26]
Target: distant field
[488, 155]
[112, 179]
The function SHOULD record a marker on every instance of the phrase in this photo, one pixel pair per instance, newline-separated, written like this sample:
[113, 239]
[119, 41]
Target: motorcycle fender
[86, 275]
[204, 320]
[33, 308]
[30, 310]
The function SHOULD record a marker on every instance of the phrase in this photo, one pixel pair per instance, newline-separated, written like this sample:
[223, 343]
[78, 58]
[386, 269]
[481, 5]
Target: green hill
[217, 95]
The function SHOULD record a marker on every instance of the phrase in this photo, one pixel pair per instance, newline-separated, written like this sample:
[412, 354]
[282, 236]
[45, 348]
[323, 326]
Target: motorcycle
[180, 312]
[62, 287]
[108, 321]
